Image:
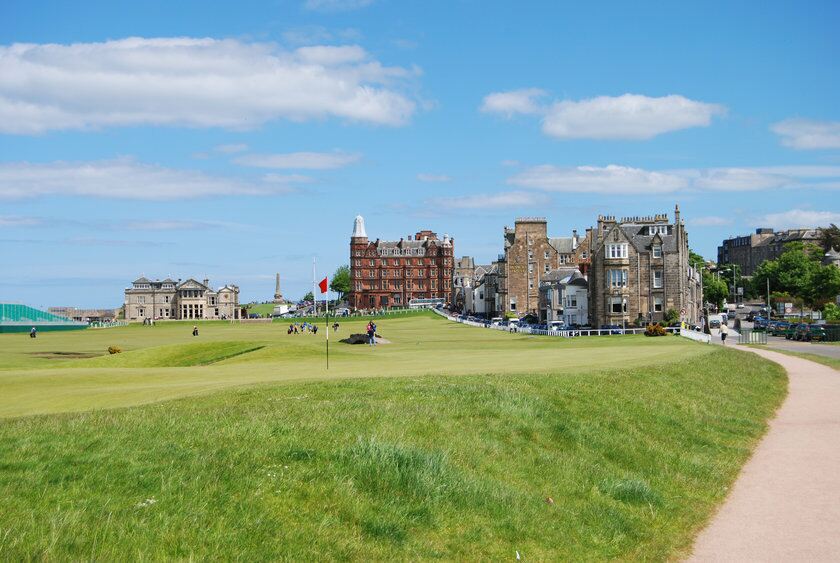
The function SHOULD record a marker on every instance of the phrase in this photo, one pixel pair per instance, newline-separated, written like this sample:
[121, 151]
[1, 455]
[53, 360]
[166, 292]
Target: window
[530, 285]
[141, 299]
[371, 263]
[618, 305]
[572, 299]
[546, 268]
[530, 268]
[513, 305]
[530, 255]
[661, 229]
[166, 299]
[657, 304]
[141, 312]
[564, 258]
[618, 278]
[657, 251]
[584, 255]
[657, 279]
[385, 284]
[545, 255]
[617, 250]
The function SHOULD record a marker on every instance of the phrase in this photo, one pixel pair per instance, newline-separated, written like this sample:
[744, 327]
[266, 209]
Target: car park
[777, 328]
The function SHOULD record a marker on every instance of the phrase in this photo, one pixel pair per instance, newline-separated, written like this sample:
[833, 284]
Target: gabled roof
[638, 237]
[142, 280]
[563, 245]
[192, 284]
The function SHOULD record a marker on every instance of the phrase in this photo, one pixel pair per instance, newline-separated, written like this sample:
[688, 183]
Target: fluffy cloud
[491, 201]
[439, 178]
[525, 101]
[626, 117]
[300, 160]
[192, 82]
[808, 134]
[124, 179]
[623, 180]
[798, 218]
[630, 116]
[610, 179]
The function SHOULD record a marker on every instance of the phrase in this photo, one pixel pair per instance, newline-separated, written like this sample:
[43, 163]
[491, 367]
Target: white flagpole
[314, 297]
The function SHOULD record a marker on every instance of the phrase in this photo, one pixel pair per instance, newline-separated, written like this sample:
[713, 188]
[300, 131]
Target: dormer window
[660, 229]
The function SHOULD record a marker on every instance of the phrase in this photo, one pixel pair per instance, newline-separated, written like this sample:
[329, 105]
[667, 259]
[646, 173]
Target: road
[827, 350]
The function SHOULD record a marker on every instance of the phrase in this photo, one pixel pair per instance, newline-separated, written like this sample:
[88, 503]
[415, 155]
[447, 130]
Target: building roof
[638, 237]
[563, 245]
[142, 279]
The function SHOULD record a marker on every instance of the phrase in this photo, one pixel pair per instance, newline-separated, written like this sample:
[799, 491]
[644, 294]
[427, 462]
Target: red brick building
[386, 274]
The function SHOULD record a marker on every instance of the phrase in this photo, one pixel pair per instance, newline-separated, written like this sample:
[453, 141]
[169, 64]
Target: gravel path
[785, 505]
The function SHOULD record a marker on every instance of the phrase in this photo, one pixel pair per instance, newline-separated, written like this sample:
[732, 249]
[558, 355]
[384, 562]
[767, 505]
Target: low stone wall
[698, 336]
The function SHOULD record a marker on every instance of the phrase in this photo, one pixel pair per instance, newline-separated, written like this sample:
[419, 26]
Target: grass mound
[635, 461]
[175, 355]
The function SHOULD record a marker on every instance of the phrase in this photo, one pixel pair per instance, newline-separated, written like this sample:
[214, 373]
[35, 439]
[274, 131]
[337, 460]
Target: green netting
[14, 317]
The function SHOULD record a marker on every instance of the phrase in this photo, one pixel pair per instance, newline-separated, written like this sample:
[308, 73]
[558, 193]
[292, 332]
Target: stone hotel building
[386, 274]
[640, 268]
[179, 300]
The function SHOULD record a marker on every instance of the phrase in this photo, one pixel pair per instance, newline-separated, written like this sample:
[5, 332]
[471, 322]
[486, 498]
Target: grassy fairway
[166, 362]
[635, 440]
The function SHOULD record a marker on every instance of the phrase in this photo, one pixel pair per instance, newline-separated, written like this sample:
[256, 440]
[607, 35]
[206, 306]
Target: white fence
[569, 333]
[698, 336]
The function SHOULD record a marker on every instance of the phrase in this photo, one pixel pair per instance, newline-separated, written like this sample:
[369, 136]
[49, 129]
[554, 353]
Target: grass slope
[459, 467]
[39, 379]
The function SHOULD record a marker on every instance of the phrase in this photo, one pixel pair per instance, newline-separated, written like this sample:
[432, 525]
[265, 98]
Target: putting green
[61, 372]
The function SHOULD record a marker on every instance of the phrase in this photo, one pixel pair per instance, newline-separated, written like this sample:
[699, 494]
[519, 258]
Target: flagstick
[327, 323]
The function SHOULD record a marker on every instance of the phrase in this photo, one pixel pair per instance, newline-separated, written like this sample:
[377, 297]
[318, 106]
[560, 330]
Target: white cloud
[630, 116]
[524, 101]
[195, 82]
[710, 221]
[490, 201]
[738, 179]
[301, 160]
[231, 149]
[808, 134]
[13, 221]
[336, 5]
[798, 218]
[434, 178]
[123, 179]
[623, 180]
[610, 179]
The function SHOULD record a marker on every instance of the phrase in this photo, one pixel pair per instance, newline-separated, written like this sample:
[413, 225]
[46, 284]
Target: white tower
[359, 228]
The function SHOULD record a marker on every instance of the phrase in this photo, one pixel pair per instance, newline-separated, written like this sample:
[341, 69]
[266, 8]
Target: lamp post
[623, 315]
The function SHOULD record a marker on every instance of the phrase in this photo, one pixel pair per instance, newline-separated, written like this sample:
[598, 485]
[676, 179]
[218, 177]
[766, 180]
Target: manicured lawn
[444, 444]
[166, 361]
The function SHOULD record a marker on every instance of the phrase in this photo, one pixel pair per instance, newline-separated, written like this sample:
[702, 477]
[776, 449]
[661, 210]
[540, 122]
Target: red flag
[323, 285]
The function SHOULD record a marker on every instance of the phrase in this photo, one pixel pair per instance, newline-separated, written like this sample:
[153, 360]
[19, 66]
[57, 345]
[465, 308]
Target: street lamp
[623, 315]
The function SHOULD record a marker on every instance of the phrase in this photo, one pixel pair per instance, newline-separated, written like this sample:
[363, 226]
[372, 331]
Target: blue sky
[234, 141]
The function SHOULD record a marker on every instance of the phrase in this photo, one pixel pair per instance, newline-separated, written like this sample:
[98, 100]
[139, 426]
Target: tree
[825, 285]
[831, 312]
[715, 290]
[672, 316]
[830, 238]
[341, 281]
[308, 297]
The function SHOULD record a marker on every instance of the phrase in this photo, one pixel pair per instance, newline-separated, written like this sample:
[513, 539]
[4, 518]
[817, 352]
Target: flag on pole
[323, 285]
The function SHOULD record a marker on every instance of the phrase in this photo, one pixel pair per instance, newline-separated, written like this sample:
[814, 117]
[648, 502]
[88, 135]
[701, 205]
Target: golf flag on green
[323, 287]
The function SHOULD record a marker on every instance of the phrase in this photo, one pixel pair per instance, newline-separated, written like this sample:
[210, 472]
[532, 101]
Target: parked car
[777, 328]
[556, 325]
[612, 329]
[496, 321]
[790, 333]
[806, 332]
[714, 323]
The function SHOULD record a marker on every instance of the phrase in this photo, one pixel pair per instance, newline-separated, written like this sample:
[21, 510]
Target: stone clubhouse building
[180, 300]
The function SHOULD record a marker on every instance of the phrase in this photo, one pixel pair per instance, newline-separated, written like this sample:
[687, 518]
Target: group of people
[300, 328]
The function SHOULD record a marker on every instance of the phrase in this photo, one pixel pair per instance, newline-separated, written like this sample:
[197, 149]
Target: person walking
[195, 330]
[724, 330]
[33, 333]
[315, 329]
